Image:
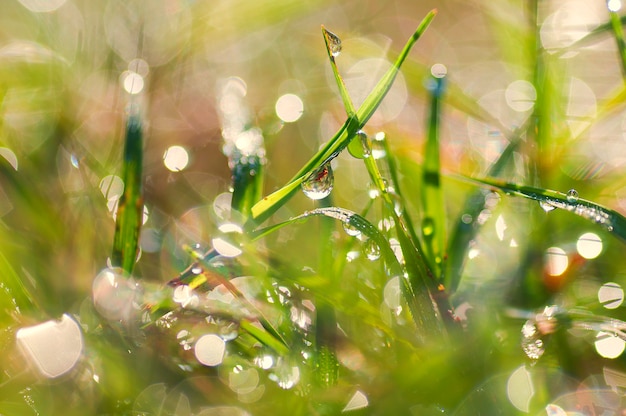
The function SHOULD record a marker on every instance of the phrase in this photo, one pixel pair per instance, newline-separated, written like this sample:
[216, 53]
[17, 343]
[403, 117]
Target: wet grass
[436, 293]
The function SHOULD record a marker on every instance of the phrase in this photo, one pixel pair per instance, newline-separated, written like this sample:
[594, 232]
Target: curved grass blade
[433, 221]
[333, 47]
[263, 209]
[607, 218]
[130, 207]
[421, 302]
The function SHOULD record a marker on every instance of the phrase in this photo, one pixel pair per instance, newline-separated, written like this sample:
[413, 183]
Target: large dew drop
[320, 183]
[114, 295]
[360, 146]
[572, 196]
[333, 42]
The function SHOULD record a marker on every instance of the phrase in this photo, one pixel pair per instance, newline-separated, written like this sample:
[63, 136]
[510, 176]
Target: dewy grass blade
[130, 207]
[607, 218]
[263, 209]
[333, 47]
[433, 221]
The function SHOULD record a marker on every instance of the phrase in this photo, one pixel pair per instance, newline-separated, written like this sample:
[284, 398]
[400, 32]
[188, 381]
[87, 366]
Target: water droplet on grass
[320, 183]
[378, 145]
[360, 146]
[333, 41]
[532, 344]
[372, 250]
[114, 295]
[546, 206]
[351, 230]
[572, 196]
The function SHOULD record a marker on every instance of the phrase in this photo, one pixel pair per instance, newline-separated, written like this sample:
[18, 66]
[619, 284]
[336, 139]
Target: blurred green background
[522, 71]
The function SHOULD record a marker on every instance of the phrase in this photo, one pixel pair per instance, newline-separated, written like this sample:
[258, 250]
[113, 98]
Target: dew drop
[114, 295]
[546, 206]
[350, 229]
[372, 250]
[333, 42]
[360, 146]
[319, 184]
[378, 145]
[532, 344]
[572, 196]
[428, 227]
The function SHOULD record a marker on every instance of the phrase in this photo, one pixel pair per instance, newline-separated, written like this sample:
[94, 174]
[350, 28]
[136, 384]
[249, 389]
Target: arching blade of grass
[607, 218]
[262, 210]
[433, 210]
[421, 303]
[130, 207]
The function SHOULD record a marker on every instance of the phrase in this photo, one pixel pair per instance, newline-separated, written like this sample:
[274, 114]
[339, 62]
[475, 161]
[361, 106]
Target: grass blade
[263, 209]
[618, 32]
[433, 221]
[607, 218]
[130, 207]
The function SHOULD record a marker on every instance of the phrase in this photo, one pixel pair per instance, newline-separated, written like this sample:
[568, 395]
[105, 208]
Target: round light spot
[176, 158]
[519, 389]
[392, 293]
[609, 345]
[226, 244]
[556, 261]
[438, 70]
[289, 108]
[611, 295]
[614, 5]
[520, 95]
[133, 82]
[589, 245]
[9, 155]
[54, 347]
[113, 294]
[42, 6]
[209, 350]
[112, 187]
[139, 66]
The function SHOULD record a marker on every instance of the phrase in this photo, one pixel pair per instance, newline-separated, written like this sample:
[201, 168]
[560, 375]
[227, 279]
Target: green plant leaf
[606, 218]
[618, 33]
[130, 207]
[263, 209]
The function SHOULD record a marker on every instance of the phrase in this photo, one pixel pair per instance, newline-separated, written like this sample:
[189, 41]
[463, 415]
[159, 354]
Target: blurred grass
[342, 322]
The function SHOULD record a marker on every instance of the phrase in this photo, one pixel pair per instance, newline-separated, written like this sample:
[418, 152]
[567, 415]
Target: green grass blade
[464, 232]
[604, 217]
[130, 207]
[433, 221]
[263, 209]
[333, 47]
[247, 183]
[618, 32]
[264, 337]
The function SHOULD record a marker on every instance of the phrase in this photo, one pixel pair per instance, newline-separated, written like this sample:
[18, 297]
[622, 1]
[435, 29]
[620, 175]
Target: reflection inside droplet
[572, 196]
[372, 250]
[333, 42]
[320, 183]
[54, 347]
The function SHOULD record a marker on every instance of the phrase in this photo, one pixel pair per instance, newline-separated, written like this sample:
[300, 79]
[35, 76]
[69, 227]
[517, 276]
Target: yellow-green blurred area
[545, 74]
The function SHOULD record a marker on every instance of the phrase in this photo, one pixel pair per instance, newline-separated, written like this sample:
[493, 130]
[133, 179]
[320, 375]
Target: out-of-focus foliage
[437, 267]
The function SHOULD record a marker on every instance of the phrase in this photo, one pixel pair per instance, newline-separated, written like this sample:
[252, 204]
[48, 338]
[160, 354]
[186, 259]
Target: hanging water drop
[378, 145]
[572, 196]
[360, 146]
[372, 250]
[532, 344]
[333, 42]
[546, 206]
[350, 229]
[319, 184]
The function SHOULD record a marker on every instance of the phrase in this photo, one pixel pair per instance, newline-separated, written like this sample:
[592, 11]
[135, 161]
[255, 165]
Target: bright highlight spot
[358, 401]
[519, 389]
[520, 95]
[289, 108]
[609, 345]
[10, 156]
[139, 66]
[500, 227]
[392, 293]
[614, 5]
[209, 350]
[438, 70]
[112, 187]
[225, 246]
[54, 347]
[589, 245]
[113, 295]
[611, 295]
[554, 410]
[556, 261]
[42, 6]
[133, 82]
[176, 158]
